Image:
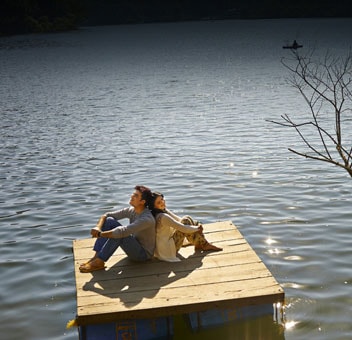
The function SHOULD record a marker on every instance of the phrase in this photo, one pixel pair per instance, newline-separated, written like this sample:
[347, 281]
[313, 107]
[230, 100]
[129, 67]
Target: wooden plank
[235, 276]
[172, 279]
[151, 306]
[124, 268]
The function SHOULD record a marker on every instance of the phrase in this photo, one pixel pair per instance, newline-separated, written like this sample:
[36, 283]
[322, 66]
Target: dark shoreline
[67, 15]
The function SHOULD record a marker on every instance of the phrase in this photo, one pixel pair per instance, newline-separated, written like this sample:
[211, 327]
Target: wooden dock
[203, 281]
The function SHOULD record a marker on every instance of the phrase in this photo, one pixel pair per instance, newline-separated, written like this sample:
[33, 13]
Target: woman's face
[160, 203]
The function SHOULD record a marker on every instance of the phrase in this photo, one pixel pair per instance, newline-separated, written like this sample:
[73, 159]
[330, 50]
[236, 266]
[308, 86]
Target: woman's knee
[188, 220]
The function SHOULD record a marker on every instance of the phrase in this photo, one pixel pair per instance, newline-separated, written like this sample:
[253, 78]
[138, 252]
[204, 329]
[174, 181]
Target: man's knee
[110, 223]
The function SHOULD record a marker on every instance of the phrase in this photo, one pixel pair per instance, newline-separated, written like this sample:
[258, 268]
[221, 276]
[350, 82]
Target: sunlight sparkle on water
[270, 241]
[275, 251]
[292, 285]
[293, 258]
[290, 324]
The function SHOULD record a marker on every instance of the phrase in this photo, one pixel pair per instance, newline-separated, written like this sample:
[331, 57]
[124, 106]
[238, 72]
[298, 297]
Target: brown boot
[89, 261]
[92, 266]
[207, 247]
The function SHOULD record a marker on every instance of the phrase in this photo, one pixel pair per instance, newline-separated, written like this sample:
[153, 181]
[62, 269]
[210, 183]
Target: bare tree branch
[326, 87]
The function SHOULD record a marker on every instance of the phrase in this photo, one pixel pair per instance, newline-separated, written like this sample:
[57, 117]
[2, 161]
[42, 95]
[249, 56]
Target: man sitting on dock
[137, 239]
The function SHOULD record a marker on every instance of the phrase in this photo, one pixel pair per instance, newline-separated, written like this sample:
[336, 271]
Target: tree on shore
[35, 16]
[326, 86]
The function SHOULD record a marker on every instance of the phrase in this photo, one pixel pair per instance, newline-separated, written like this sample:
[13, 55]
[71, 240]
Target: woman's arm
[169, 221]
[173, 215]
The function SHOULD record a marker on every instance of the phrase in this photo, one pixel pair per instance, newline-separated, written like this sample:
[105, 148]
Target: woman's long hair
[151, 203]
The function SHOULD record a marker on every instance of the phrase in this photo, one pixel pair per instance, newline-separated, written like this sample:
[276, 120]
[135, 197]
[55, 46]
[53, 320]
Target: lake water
[184, 109]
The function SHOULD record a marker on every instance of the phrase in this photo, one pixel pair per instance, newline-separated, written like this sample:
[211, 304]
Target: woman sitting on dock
[171, 230]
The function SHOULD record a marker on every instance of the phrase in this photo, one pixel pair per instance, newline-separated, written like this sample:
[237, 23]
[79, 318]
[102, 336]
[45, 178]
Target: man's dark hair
[145, 191]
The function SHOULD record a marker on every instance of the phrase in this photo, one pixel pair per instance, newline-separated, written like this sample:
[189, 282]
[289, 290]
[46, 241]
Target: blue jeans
[130, 245]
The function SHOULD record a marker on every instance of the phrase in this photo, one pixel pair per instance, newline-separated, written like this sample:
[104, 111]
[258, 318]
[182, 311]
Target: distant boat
[294, 46]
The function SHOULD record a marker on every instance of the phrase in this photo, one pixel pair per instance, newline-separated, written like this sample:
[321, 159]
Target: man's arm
[124, 231]
[141, 223]
[119, 214]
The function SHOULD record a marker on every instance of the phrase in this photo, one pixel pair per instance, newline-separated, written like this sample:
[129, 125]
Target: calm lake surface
[184, 109]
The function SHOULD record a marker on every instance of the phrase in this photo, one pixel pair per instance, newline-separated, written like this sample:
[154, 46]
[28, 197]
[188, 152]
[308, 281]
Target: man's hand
[94, 232]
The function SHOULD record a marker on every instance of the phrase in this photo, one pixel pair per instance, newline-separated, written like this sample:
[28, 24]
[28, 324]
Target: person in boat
[172, 230]
[137, 239]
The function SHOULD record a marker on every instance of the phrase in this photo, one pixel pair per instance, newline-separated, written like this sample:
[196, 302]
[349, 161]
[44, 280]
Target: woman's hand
[200, 229]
